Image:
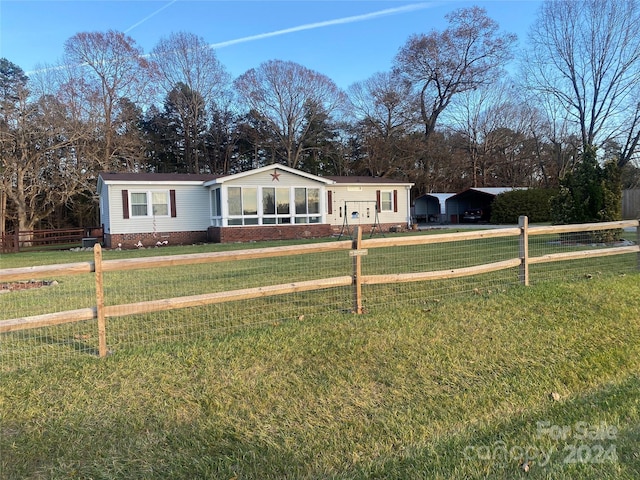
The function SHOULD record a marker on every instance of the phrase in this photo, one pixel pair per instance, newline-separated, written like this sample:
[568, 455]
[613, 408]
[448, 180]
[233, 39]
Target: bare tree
[468, 54]
[497, 127]
[386, 113]
[13, 91]
[105, 68]
[41, 168]
[586, 55]
[289, 98]
[190, 72]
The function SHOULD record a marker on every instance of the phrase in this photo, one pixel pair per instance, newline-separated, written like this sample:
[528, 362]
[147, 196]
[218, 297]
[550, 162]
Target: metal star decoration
[275, 176]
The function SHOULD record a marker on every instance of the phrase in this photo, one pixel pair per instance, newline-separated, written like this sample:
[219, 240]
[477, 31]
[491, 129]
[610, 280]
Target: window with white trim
[307, 202]
[160, 204]
[150, 203]
[272, 205]
[275, 206]
[139, 204]
[243, 205]
[386, 201]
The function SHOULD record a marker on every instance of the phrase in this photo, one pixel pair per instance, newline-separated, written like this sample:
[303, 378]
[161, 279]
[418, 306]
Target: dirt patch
[569, 243]
[26, 285]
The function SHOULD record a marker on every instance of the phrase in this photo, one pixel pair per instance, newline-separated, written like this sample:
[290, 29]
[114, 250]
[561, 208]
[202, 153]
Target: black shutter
[172, 199]
[125, 203]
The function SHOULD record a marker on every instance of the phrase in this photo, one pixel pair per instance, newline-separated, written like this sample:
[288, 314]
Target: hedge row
[534, 203]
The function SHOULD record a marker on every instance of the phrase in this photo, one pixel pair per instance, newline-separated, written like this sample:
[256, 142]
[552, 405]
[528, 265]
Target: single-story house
[267, 203]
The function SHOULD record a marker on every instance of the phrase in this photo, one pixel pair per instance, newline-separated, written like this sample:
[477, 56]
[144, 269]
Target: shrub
[534, 203]
[589, 194]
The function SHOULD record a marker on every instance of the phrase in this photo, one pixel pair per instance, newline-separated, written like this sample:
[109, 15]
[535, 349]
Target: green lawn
[432, 389]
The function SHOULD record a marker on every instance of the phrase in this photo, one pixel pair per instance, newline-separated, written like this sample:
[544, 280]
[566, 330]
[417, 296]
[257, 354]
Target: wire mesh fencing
[121, 301]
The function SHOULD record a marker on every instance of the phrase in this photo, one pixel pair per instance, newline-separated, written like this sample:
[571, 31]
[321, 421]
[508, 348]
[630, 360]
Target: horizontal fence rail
[32, 240]
[357, 250]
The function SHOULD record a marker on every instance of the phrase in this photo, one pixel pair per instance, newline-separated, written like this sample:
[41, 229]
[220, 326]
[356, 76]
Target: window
[282, 201]
[157, 203]
[268, 206]
[216, 209]
[139, 204]
[386, 201]
[234, 199]
[269, 201]
[160, 203]
[154, 203]
[250, 201]
[272, 205]
[282, 206]
[243, 205]
[307, 203]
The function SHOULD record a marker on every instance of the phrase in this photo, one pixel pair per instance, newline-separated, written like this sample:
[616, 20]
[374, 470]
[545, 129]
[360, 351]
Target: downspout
[409, 224]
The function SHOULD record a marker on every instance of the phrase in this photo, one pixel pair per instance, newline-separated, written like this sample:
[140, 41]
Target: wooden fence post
[102, 321]
[638, 241]
[523, 223]
[356, 253]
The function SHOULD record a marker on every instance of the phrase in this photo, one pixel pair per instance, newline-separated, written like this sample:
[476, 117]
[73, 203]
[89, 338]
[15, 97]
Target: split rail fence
[357, 248]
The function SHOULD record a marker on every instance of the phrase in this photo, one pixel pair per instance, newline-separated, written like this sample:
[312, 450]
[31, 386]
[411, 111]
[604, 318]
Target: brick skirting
[130, 240]
[267, 232]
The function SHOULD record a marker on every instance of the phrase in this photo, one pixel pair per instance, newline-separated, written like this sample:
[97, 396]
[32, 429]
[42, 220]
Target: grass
[414, 390]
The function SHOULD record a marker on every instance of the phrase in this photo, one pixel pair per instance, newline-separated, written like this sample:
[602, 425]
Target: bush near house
[534, 203]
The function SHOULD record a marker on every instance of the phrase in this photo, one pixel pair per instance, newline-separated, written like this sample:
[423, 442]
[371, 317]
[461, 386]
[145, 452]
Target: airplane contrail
[308, 26]
[149, 16]
[327, 23]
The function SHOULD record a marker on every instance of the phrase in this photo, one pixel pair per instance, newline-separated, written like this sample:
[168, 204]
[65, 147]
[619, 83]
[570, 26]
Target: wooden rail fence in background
[23, 240]
[357, 248]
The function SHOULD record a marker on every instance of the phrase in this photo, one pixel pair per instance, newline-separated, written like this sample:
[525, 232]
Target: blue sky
[346, 40]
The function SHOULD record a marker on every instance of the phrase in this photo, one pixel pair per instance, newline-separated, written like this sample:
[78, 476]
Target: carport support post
[102, 321]
[523, 223]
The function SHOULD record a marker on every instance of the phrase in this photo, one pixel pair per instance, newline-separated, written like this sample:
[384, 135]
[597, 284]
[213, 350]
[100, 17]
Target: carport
[430, 207]
[472, 199]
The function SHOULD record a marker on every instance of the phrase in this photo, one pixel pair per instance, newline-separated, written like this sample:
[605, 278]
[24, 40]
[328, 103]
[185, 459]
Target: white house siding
[265, 179]
[192, 209]
[361, 197]
[105, 216]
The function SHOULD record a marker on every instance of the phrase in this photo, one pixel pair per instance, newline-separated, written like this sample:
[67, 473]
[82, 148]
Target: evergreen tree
[590, 194]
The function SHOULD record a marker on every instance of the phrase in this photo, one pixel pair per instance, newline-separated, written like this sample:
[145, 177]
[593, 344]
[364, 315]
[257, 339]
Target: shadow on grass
[139, 446]
[592, 436]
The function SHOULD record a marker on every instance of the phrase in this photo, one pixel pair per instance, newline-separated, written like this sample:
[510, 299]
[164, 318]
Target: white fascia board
[153, 182]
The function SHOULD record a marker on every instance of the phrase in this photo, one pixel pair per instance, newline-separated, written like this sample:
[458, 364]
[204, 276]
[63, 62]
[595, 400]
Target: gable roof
[274, 166]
